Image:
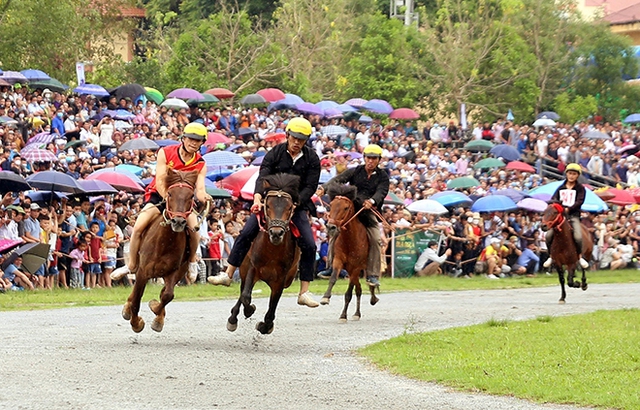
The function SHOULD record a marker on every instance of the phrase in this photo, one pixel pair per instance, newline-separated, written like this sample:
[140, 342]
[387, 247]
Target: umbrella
[293, 97]
[404, 114]
[352, 154]
[35, 75]
[272, 94]
[127, 171]
[130, 168]
[154, 95]
[462, 183]
[206, 99]
[218, 173]
[346, 108]
[221, 93]
[621, 197]
[334, 130]
[74, 143]
[327, 104]
[45, 196]
[478, 145]
[39, 155]
[253, 99]
[34, 255]
[132, 91]
[247, 190]
[309, 108]
[139, 144]
[166, 143]
[91, 89]
[632, 119]
[596, 135]
[604, 194]
[333, 113]
[223, 158]
[378, 106]
[533, 204]
[626, 148]
[8, 244]
[258, 161]
[356, 102]
[452, 198]
[548, 114]
[123, 115]
[242, 131]
[12, 182]
[185, 94]
[214, 138]
[97, 187]
[506, 152]
[54, 181]
[174, 103]
[217, 193]
[42, 138]
[365, 119]
[489, 163]
[7, 120]
[3, 83]
[233, 147]
[544, 122]
[119, 180]
[592, 203]
[520, 166]
[493, 203]
[393, 199]
[513, 194]
[13, 77]
[234, 182]
[276, 137]
[636, 193]
[427, 206]
[52, 84]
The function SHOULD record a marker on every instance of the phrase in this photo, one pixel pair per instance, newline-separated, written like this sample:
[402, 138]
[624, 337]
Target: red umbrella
[221, 93]
[636, 194]
[234, 182]
[272, 94]
[276, 137]
[118, 180]
[214, 138]
[520, 166]
[622, 197]
[404, 114]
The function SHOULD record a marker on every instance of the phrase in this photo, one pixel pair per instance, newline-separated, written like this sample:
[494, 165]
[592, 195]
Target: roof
[630, 14]
[611, 6]
[132, 12]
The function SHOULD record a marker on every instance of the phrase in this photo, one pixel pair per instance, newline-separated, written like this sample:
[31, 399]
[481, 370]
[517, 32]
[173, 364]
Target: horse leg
[232, 322]
[166, 296]
[245, 296]
[356, 316]
[332, 281]
[347, 299]
[266, 327]
[132, 307]
[561, 278]
[571, 273]
[584, 284]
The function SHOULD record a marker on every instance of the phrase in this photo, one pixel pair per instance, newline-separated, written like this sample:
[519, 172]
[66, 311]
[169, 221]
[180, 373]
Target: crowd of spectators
[89, 236]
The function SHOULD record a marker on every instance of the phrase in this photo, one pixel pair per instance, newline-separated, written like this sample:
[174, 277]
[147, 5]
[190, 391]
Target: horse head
[342, 208]
[281, 196]
[180, 198]
[553, 216]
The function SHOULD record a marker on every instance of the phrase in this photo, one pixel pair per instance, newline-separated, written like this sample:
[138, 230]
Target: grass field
[59, 298]
[591, 359]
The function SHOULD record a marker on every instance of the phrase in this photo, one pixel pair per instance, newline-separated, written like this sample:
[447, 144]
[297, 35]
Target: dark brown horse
[563, 249]
[163, 250]
[273, 257]
[349, 247]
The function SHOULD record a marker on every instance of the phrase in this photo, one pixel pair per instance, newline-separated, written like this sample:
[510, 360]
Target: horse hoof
[262, 328]
[138, 328]
[374, 300]
[154, 305]
[248, 312]
[232, 326]
[585, 286]
[354, 317]
[342, 320]
[126, 312]
[561, 302]
[324, 301]
[157, 326]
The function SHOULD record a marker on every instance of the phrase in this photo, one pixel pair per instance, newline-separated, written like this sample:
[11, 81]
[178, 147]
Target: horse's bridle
[277, 223]
[341, 223]
[168, 214]
[558, 220]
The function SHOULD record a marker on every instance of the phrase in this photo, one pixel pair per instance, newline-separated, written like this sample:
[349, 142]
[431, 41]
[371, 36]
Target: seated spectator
[17, 277]
[527, 261]
[492, 258]
[429, 261]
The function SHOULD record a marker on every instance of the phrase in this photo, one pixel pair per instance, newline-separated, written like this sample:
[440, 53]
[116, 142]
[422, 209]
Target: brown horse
[163, 250]
[273, 257]
[563, 249]
[350, 247]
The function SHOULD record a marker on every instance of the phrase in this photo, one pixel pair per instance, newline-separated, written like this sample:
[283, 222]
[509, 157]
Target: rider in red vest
[570, 194]
[183, 157]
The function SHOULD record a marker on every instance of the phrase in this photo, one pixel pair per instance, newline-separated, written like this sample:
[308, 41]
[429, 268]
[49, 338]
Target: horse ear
[191, 178]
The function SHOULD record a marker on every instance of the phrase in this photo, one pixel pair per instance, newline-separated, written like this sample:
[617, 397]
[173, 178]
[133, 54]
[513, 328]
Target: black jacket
[581, 192]
[278, 160]
[376, 187]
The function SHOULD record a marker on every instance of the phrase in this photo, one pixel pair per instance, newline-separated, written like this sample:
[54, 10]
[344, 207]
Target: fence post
[393, 254]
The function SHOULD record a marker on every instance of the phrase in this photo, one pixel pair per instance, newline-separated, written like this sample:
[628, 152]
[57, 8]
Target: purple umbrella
[378, 106]
[513, 194]
[353, 155]
[542, 197]
[42, 138]
[356, 102]
[91, 89]
[532, 204]
[257, 161]
[309, 108]
[325, 105]
[35, 75]
[185, 94]
[13, 77]
[346, 108]
[333, 113]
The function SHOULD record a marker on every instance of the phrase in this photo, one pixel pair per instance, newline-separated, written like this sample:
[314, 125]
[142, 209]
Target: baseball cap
[495, 241]
[35, 207]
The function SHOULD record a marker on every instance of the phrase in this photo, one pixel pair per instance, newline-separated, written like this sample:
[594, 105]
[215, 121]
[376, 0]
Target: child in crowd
[78, 257]
[95, 258]
[215, 251]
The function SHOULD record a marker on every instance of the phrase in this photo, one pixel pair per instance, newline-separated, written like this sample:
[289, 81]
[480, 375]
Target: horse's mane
[175, 177]
[348, 191]
[283, 182]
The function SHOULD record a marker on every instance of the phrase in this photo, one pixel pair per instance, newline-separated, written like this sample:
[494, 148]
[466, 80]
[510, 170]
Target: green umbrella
[478, 145]
[208, 99]
[52, 84]
[489, 163]
[154, 95]
[393, 199]
[74, 143]
[463, 182]
[217, 193]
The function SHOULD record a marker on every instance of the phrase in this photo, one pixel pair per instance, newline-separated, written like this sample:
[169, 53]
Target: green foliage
[575, 109]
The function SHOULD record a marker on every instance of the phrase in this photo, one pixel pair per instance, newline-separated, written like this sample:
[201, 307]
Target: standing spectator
[95, 256]
[78, 256]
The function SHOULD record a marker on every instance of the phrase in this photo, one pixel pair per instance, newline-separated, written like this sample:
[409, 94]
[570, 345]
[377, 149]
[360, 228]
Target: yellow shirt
[490, 251]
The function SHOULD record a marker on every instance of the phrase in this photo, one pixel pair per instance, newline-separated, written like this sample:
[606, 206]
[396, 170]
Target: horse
[350, 247]
[563, 250]
[273, 256]
[164, 250]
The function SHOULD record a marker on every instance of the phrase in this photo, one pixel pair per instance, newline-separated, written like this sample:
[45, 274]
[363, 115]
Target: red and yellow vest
[177, 164]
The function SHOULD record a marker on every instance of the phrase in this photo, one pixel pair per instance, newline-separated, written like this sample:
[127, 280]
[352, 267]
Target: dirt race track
[88, 358]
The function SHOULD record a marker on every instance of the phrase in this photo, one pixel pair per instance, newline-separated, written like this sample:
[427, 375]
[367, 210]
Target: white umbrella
[174, 103]
[544, 122]
[428, 206]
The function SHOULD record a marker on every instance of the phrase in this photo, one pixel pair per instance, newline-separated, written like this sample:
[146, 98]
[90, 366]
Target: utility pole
[395, 11]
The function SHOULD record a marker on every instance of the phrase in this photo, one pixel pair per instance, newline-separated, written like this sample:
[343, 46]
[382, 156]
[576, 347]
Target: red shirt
[177, 164]
[214, 246]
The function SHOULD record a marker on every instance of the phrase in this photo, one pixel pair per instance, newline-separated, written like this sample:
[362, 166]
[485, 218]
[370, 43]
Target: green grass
[590, 360]
[99, 297]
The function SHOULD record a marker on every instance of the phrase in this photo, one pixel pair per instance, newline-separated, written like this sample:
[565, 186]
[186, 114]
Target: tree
[572, 110]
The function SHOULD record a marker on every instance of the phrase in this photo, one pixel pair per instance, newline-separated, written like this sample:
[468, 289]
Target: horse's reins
[374, 210]
[558, 220]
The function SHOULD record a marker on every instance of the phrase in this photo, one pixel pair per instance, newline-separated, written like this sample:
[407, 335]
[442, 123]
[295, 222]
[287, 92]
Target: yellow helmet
[299, 128]
[196, 131]
[573, 167]
[372, 150]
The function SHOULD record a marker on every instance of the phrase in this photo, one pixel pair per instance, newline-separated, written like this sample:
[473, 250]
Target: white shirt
[542, 147]
[428, 255]
[562, 153]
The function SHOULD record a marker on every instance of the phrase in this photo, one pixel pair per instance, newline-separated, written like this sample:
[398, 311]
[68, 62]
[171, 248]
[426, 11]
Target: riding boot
[194, 242]
[373, 258]
[132, 266]
[549, 241]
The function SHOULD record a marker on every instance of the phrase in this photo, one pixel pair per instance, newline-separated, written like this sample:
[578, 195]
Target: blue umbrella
[325, 105]
[378, 106]
[257, 161]
[246, 131]
[513, 194]
[333, 130]
[548, 114]
[44, 196]
[97, 187]
[218, 173]
[309, 108]
[592, 202]
[346, 108]
[293, 98]
[493, 203]
[147, 181]
[92, 89]
[233, 147]
[507, 152]
[103, 114]
[166, 143]
[13, 77]
[333, 113]
[54, 181]
[124, 115]
[35, 75]
[289, 102]
[452, 198]
[223, 158]
[365, 119]
[632, 119]
[133, 169]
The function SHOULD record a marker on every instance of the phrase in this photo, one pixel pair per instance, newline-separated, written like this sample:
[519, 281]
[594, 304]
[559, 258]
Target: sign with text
[408, 247]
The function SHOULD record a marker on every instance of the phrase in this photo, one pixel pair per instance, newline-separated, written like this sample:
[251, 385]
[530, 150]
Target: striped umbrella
[42, 138]
[91, 89]
[154, 95]
[356, 102]
[333, 130]
[39, 155]
[223, 158]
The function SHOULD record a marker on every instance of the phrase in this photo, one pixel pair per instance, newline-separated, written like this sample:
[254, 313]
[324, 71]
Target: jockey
[183, 157]
[570, 195]
[373, 186]
[296, 158]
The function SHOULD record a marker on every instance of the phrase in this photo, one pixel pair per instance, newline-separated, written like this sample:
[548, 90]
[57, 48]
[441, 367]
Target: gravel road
[88, 358]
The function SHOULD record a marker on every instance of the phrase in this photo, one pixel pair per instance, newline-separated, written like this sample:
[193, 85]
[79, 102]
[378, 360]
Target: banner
[408, 246]
[80, 73]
